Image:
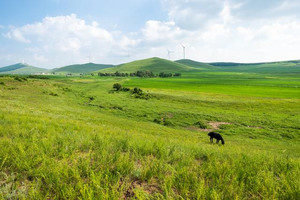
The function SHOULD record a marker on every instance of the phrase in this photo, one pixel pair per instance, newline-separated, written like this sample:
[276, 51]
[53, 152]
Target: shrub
[157, 121]
[91, 98]
[53, 94]
[2, 83]
[126, 89]
[20, 79]
[37, 77]
[143, 96]
[168, 123]
[201, 124]
[117, 86]
[137, 91]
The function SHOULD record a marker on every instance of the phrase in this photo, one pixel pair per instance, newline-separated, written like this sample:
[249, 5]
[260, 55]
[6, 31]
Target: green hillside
[82, 68]
[267, 67]
[195, 64]
[155, 65]
[21, 69]
[11, 67]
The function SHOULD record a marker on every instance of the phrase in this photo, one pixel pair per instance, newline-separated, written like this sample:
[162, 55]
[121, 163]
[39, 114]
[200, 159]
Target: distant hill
[22, 69]
[195, 64]
[155, 65]
[81, 68]
[264, 67]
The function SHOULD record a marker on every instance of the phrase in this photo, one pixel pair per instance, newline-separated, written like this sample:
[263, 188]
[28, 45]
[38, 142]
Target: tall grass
[70, 147]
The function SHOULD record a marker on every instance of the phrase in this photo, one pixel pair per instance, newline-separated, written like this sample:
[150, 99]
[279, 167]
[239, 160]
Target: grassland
[81, 68]
[21, 69]
[156, 65]
[75, 138]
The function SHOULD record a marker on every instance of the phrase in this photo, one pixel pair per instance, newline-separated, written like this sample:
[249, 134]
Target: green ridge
[82, 68]
[192, 63]
[155, 65]
[21, 69]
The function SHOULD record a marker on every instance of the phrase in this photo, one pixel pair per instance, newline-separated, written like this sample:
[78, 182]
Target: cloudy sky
[54, 33]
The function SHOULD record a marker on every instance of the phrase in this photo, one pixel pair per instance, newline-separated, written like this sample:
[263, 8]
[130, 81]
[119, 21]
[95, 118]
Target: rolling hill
[81, 68]
[155, 65]
[265, 67]
[22, 69]
[195, 64]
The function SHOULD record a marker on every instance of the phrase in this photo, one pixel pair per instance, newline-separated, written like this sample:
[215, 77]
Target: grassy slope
[290, 67]
[21, 69]
[195, 64]
[88, 142]
[84, 68]
[155, 65]
[11, 67]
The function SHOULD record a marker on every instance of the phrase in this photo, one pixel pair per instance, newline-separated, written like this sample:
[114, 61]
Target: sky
[55, 33]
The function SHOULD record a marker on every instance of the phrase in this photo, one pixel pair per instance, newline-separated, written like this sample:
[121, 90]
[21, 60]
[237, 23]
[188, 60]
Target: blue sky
[53, 33]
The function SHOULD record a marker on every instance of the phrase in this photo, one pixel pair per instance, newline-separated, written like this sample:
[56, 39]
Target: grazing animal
[217, 136]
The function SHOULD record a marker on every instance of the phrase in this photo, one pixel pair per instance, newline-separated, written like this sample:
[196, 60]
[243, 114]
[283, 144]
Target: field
[77, 138]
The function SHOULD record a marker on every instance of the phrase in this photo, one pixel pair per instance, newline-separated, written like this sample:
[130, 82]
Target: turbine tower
[169, 53]
[183, 50]
[89, 56]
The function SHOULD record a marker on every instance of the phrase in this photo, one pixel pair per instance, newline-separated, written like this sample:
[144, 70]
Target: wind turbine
[183, 50]
[89, 56]
[169, 53]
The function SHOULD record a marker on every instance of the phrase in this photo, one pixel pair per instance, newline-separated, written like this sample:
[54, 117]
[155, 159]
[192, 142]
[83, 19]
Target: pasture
[77, 138]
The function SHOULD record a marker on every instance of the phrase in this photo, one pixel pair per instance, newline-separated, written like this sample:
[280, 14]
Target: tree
[117, 86]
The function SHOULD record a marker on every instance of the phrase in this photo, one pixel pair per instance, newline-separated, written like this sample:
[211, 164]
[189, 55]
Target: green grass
[289, 67]
[195, 64]
[83, 68]
[89, 142]
[156, 65]
[21, 69]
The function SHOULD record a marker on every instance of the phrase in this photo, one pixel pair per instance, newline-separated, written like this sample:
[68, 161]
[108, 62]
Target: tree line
[147, 73]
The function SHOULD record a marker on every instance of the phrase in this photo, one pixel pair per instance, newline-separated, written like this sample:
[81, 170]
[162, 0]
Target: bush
[126, 89]
[117, 86]
[137, 91]
[201, 124]
[20, 79]
[91, 98]
[157, 121]
[53, 94]
[37, 77]
[2, 83]
[168, 123]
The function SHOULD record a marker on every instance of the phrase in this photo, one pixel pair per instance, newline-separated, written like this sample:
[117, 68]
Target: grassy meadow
[77, 138]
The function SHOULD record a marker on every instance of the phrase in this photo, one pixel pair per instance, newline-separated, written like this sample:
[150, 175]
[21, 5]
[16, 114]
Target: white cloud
[212, 30]
[40, 58]
[156, 31]
[16, 34]
[68, 39]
